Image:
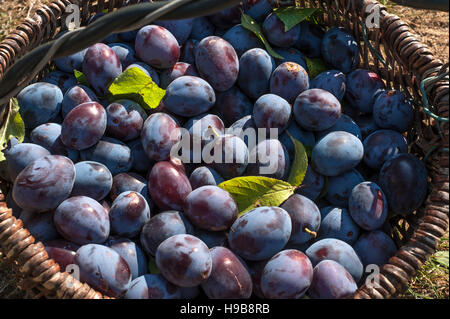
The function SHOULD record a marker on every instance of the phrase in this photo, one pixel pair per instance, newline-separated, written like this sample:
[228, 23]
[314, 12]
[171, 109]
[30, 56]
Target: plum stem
[312, 233]
[214, 131]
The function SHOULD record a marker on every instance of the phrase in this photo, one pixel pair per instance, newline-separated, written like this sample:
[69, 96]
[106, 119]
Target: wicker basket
[392, 50]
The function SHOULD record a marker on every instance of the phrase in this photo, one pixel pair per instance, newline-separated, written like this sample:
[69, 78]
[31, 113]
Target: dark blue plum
[188, 50]
[152, 286]
[178, 70]
[375, 248]
[103, 269]
[203, 176]
[20, 156]
[255, 69]
[368, 206]
[256, 269]
[381, 146]
[291, 55]
[232, 158]
[84, 126]
[341, 186]
[212, 238]
[310, 40]
[362, 88]
[75, 96]
[44, 184]
[269, 158]
[92, 179]
[366, 124]
[125, 119]
[287, 275]
[181, 29]
[332, 81]
[184, 260]
[71, 62]
[331, 281]
[112, 153]
[338, 251]
[203, 128]
[229, 278]
[128, 214]
[133, 255]
[338, 224]
[257, 9]
[232, 105]
[61, 251]
[227, 18]
[337, 153]
[124, 52]
[274, 30]
[272, 111]
[101, 66]
[63, 80]
[156, 46]
[392, 110]
[168, 186]
[239, 128]
[316, 110]
[40, 225]
[163, 226]
[305, 217]
[39, 103]
[82, 220]
[346, 124]
[210, 208]
[125, 182]
[141, 163]
[159, 134]
[306, 138]
[16, 210]
[313, 184]
[217, 62]
[201, 28]
[242, 39]
[189, 96]
[403, 180]
[260, 233]
[147, 69]
[340, 50]
[288, 81]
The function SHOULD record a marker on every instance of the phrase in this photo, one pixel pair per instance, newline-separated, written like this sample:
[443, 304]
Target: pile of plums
[95, 181]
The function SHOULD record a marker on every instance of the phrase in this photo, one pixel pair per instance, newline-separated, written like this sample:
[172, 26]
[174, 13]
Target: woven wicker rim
[407, 62]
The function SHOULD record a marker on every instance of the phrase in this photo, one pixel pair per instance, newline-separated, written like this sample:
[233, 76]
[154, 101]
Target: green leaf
[250, 24]
[81, 78]
[251, 192]
[315, 67]
[12, 127]
[324, 191]
[441, 257]
[291, 16]
[300, 164]
[134, 84]
[152, 267]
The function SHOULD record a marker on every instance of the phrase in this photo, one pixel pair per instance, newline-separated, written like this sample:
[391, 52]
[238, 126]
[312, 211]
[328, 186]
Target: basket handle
[124, 19]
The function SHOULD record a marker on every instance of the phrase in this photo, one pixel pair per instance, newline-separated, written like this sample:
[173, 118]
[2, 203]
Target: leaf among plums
[12, 127]
[251, 192]
[81, 78]
[135, 85]
[152, 267]
[315, 67]
[250, 24]
[300, 165]
[291, 16]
